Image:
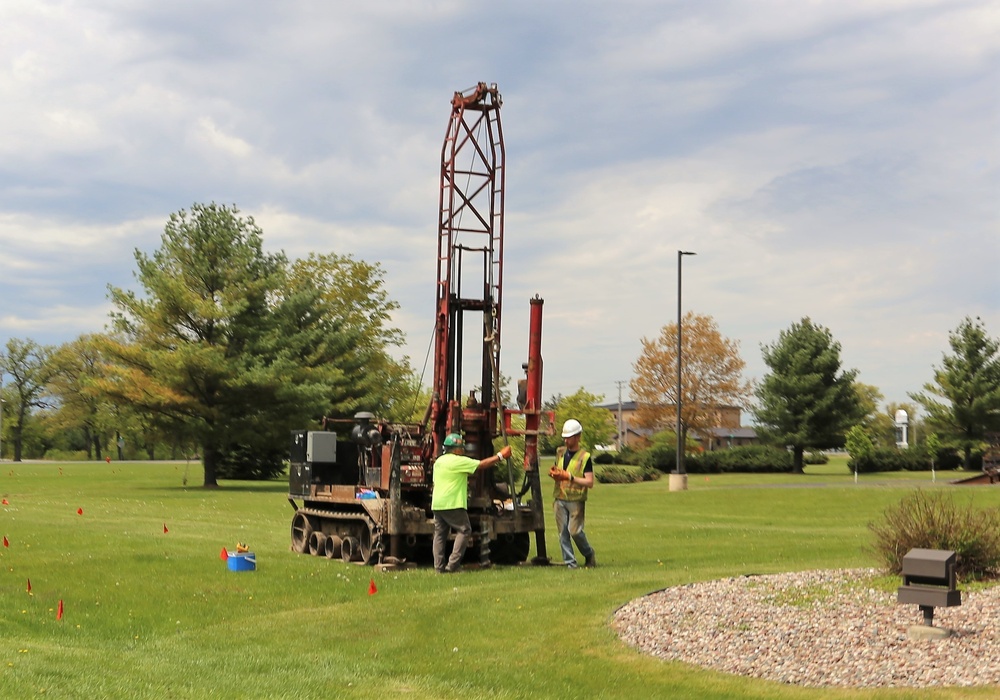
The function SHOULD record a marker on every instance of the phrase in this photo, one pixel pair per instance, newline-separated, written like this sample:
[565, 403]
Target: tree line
[224, 349]
[807, 400]
[220, 353]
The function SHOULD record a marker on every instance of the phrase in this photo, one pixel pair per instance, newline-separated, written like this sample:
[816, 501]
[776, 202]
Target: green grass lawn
[154, 614]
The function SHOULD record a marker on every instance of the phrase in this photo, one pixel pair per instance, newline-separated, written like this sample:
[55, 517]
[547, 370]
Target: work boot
[591, 561]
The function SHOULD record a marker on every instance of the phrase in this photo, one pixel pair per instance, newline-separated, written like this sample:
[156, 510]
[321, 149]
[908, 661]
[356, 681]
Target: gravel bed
[816, 628]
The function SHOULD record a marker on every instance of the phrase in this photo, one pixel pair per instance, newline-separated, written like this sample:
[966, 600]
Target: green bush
[879, 459]
[661, 454]
[624, 475]
[66, 455]
[749, 458]
[914, 459]
[248, 462]
[933, 521]
[604, 458]
[815, 457]
[949, 458]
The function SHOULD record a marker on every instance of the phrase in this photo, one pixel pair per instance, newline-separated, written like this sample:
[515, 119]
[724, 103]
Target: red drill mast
[470, 233]
[470, 236]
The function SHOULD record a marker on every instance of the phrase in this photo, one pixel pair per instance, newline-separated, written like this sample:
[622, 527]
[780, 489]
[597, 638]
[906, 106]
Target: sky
[838, 160]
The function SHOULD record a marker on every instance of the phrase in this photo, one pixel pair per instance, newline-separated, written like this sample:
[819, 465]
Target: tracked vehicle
[365, 484]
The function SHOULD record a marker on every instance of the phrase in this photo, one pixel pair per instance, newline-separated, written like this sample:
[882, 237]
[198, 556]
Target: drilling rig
[365, 484]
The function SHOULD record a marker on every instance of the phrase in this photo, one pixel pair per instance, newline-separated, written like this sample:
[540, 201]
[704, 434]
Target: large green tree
[220, 341]
[806, 401]
[963, 401]
[29, 367]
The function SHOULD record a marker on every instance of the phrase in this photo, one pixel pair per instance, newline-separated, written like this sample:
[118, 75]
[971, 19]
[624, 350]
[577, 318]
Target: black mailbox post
[930, 581]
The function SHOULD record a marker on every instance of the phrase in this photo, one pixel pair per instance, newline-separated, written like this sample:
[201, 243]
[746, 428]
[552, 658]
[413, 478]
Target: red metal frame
[470, 224]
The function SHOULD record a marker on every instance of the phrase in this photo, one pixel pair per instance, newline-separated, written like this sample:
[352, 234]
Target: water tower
[902, 422]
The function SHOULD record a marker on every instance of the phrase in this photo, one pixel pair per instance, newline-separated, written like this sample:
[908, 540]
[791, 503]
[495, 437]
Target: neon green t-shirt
[451, 481]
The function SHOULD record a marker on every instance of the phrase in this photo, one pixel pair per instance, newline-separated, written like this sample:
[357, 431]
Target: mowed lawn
[150, 610]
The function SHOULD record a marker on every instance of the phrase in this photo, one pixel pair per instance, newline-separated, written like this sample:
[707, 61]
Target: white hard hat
[571, 427]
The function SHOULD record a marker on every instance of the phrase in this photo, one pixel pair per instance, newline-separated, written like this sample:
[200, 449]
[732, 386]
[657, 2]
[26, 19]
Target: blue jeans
[569, 523]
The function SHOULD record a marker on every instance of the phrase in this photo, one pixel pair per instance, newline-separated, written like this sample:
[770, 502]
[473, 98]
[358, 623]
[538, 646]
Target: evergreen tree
[806, 401]
[969, 381]
[220, 342]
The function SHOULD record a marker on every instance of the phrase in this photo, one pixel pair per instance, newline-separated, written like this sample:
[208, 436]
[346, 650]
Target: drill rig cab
[365, 484]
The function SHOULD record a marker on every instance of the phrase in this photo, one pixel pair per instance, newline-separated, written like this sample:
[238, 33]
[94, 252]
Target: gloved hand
[504, 452]
[559, 474]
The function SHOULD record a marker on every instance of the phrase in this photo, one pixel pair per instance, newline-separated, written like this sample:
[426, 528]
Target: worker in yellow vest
[573, 474]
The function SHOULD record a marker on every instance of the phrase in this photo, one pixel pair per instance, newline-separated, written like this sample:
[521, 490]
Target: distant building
[727, 433]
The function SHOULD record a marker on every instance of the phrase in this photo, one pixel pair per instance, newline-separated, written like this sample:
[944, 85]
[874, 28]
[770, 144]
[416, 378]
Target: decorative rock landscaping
[816, 628]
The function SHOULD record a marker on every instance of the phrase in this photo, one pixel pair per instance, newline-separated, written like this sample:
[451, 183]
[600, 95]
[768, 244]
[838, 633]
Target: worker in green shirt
[450, 499]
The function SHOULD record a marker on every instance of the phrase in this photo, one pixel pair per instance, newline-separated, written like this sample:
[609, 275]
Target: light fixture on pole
[1, 416]
[678, 478]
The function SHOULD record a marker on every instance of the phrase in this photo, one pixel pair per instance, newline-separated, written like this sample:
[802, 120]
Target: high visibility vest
[566, 491]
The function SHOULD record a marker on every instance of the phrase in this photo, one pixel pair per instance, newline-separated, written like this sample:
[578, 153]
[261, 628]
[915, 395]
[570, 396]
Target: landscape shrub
[66, 455]
[913, 459]
[749, 458]
[815, 457]
[661, 455]
[248, 462]
[623, 475]
[879, 459]
[604, 458]
[933, 521]
[627, 455]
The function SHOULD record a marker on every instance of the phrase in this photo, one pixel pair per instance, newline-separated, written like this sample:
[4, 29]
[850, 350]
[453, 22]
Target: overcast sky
[838, 160]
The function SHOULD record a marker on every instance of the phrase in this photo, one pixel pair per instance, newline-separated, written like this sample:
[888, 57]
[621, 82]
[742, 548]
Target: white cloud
[830, 159]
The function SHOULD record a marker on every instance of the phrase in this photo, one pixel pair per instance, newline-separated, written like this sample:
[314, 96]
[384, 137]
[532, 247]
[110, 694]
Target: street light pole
[1, 416]
[678, 479]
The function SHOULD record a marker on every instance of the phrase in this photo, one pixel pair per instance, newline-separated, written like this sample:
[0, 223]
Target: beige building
[727, 433]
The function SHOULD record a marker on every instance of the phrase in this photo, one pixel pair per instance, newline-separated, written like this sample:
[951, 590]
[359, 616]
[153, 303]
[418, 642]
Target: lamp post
[678, 478]
[1, 416]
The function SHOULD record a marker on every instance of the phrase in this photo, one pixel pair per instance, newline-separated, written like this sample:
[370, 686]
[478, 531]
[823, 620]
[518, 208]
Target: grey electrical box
[314, 446]
[321, 447]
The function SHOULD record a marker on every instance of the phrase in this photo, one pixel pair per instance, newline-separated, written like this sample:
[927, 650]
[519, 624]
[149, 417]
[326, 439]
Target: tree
[598, 425]
[711, 377]
[858, 444]
[76, 370]
[355, 302]
[969, 381]
[877, 425]
[219, 341]
[28, 363]
[806, 401]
